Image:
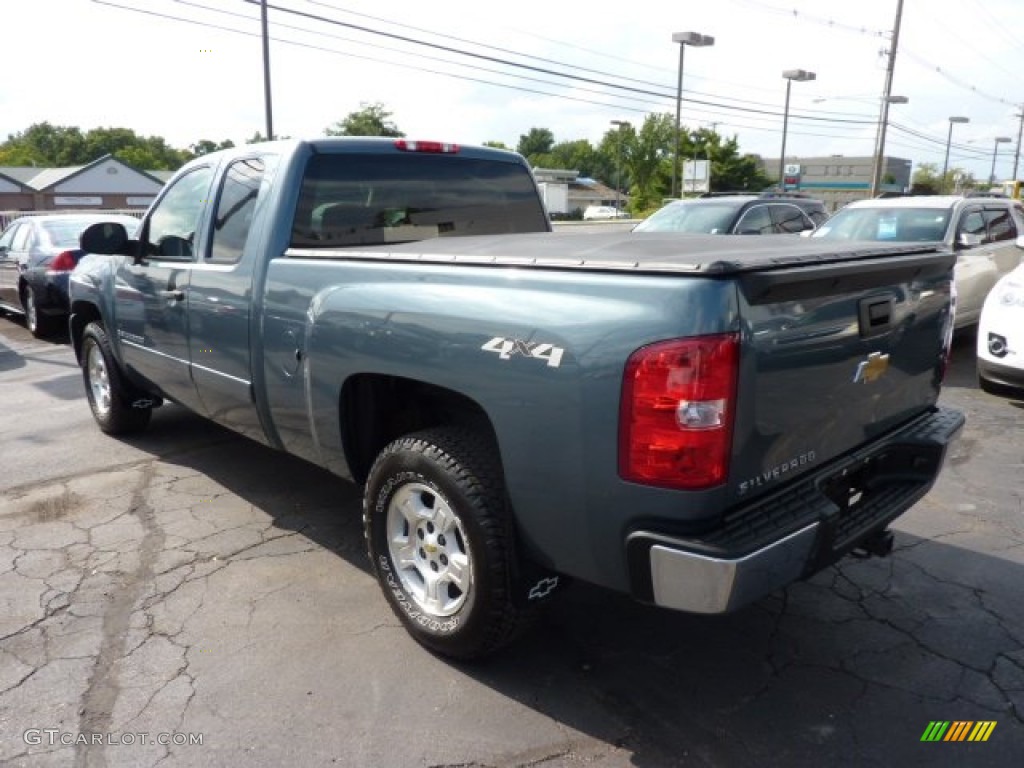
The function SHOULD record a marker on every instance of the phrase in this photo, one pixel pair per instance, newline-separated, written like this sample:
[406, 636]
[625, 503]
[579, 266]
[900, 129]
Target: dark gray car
[737, 215]
[37, 253]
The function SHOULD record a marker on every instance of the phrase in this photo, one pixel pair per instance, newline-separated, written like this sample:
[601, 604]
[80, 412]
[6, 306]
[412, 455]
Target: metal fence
[6, 217]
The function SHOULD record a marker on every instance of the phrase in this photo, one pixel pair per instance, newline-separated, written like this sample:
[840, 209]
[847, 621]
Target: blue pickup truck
[696, 421]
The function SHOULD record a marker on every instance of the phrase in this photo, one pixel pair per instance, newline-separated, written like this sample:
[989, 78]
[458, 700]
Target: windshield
[701, 218]
[889, 224]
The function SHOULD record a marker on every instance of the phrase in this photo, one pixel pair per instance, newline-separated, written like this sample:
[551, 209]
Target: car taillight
[62, 262]
[426, 146]
[676, 416]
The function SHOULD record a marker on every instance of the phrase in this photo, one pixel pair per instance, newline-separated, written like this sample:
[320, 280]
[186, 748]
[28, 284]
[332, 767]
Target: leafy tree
[371, 120]
[496, 144]
[539, 141]
[730, 171]
[928, 180]
[646, 156]
[44, 145]
[205, 146]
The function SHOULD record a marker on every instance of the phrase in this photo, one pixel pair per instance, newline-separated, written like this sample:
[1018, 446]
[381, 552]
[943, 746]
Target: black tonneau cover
[626, 251]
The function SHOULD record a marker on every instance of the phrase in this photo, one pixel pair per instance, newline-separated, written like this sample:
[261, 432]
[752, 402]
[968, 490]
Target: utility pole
[1016, 154]
[876, 176]
[266, 71]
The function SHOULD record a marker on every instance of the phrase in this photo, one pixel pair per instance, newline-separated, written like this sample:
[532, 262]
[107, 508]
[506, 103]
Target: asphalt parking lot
[190, 586]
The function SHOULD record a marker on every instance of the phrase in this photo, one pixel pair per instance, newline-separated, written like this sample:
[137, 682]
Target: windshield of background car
[888, 224]
[366, 199]
[697, 218]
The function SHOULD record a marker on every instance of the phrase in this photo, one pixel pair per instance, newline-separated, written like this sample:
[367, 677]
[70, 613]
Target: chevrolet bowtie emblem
[871, 369]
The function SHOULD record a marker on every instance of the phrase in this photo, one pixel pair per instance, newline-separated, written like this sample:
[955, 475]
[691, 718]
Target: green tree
[43, 144]
[538, 141]
[206, 146]
[928, 180]
[370, 120]
[730, 171]
[647, 158]
[496, 144]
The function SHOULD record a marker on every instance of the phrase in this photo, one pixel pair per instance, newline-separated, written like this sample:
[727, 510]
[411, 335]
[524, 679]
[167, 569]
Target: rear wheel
[441, 543]
[110, 398]
[39, 325]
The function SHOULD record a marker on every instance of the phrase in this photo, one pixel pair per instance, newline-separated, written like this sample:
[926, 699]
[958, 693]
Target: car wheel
[39, 325]
[110, 399]
[440, 541]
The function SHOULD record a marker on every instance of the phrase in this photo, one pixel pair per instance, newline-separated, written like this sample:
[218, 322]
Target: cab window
[170, 231]
[235, 207]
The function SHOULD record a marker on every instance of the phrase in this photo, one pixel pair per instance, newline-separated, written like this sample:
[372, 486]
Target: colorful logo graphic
[958, 730]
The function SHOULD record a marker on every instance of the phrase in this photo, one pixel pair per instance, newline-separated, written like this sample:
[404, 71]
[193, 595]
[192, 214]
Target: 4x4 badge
[871, 369]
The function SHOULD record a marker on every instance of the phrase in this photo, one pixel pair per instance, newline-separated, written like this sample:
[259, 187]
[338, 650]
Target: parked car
[1001, 336]
[737, 215]
[602, 212]
[984, 231]
[37, 253]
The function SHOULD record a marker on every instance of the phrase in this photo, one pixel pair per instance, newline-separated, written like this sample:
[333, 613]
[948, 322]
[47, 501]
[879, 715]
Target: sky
[470, 72]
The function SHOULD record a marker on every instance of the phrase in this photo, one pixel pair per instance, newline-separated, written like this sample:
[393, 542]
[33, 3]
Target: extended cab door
[152, 290]
[221, 301]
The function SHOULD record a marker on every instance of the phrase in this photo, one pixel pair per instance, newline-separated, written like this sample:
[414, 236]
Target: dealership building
[838, 180]
[104, 184]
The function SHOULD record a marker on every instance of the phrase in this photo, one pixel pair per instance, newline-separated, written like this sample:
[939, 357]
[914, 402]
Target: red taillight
[62, 262]
[427, 146]
[675, 421]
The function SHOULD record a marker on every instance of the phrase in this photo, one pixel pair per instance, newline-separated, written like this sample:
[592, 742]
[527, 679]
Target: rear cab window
[351, 199]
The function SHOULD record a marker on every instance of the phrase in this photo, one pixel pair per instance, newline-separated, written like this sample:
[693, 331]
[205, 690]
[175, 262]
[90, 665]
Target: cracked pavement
[192, 582]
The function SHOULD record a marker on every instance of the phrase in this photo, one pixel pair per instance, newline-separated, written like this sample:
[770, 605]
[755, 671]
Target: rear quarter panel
[556, 425]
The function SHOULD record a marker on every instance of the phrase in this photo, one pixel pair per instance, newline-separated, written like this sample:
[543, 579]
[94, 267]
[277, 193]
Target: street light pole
[995, 150]
[619, 124]
[949, 140]
[800, 75]
[684, 39]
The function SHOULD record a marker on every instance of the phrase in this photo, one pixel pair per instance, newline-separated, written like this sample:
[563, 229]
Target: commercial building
[838, 180]
[105, 184]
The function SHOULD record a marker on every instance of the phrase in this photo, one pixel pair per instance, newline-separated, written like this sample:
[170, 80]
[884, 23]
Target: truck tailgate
[835, 355]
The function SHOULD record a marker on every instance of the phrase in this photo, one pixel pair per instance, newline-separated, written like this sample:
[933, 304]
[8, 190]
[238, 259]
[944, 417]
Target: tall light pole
[619, 124]
[801, 76]
[949, 140]
[995, 151]
[876, 176]
[684, 39]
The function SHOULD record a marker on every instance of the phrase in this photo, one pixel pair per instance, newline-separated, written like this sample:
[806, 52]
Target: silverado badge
[871, 369]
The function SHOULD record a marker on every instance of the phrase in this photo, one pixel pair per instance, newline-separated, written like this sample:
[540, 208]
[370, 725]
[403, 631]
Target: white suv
[986, 233]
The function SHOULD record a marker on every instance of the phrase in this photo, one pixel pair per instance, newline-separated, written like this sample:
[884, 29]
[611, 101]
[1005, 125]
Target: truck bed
[643, 252]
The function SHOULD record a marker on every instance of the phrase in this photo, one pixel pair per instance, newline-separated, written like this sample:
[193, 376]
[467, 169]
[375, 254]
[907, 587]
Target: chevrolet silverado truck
[696, 421]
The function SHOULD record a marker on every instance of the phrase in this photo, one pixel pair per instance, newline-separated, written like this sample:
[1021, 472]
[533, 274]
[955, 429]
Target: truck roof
[625, 251]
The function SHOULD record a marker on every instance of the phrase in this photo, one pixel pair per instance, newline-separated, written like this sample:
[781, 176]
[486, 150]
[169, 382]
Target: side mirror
[106, 237]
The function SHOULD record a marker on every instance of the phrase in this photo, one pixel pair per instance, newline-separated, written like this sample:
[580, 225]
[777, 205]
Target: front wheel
[440, 541]
[110, 398]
